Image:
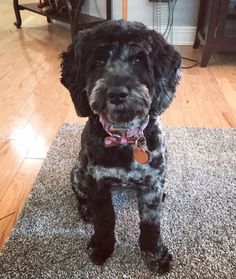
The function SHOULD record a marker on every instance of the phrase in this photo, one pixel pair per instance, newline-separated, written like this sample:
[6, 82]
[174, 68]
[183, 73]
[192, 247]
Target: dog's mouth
[120, 104]
[124, 112]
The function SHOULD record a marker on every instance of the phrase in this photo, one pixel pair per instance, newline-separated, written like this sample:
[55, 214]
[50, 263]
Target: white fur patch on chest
[136, 174]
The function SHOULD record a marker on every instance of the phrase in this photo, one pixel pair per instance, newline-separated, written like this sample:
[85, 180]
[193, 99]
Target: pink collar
[122, 135]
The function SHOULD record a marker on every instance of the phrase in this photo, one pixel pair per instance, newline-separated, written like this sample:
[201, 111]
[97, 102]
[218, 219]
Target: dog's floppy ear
[73, 75]
[166, 66]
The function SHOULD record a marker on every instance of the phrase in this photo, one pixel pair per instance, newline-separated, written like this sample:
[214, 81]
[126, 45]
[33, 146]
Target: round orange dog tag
[141, 156]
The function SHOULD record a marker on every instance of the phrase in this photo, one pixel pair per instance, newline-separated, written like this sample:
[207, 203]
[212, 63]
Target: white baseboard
[182, 35]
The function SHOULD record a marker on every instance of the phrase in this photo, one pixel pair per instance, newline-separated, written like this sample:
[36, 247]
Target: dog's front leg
[102, 243]
[155, 253]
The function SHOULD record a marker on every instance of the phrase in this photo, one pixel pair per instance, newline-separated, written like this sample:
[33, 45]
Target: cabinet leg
[205, 56]
[197, 41]
[17, 13]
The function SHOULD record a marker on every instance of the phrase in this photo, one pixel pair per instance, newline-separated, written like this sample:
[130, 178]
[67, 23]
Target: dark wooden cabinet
[216, 27]
[73, 15]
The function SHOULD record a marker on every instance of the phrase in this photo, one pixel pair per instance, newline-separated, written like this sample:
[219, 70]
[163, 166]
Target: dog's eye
[136, 61]
[100, 63]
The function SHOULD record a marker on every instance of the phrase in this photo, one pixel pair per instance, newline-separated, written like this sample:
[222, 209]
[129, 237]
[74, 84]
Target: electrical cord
[191, 66]
[168, 23]
[169, 27]
[172, 17]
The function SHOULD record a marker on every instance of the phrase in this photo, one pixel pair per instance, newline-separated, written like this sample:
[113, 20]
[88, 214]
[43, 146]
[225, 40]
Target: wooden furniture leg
[17, 13]
[206, 54]
[109, 8]
[74, 17]
[124, 9]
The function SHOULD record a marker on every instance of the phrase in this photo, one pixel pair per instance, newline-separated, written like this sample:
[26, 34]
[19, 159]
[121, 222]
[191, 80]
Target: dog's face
[120, 70]
[119, 78]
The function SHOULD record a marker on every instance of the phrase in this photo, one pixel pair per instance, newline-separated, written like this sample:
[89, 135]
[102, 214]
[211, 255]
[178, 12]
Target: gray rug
[199, 216]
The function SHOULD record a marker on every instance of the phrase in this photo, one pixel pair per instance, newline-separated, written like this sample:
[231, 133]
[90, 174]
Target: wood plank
[19, 187]
[10, 161]
[6, 226]
[15, 196]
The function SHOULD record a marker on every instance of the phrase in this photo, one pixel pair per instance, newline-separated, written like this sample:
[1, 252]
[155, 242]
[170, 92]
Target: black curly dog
[122, 76]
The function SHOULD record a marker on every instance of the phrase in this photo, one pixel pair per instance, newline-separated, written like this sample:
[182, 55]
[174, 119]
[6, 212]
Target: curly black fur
[123, 72]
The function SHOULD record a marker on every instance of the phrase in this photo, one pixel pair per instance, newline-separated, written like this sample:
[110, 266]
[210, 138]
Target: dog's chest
[118, 165]
[137, 174]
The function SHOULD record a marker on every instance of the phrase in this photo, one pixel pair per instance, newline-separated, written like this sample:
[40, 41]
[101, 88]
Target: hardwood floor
[33, 103]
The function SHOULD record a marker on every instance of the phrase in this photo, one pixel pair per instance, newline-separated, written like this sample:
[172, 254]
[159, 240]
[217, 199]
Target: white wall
[185, 16]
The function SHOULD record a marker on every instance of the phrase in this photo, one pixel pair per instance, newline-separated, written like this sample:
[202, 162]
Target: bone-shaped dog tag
[140, 152]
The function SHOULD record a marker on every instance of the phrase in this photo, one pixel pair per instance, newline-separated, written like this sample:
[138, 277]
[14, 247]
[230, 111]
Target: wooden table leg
[17, 13]
[124, 9]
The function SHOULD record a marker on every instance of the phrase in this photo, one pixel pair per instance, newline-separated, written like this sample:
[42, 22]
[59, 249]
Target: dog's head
[120, 70]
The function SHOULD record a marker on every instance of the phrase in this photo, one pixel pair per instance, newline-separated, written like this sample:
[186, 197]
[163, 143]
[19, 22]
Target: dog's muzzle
[120, 103]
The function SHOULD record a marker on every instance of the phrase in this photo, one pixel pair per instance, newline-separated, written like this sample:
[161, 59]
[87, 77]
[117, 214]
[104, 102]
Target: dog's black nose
[117, 94]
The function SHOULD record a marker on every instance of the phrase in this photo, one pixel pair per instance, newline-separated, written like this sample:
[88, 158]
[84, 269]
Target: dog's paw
[158, 262]
[99, 253]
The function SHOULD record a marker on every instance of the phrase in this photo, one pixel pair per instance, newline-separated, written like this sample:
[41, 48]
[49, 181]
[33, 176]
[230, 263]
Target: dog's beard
[136, 105]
